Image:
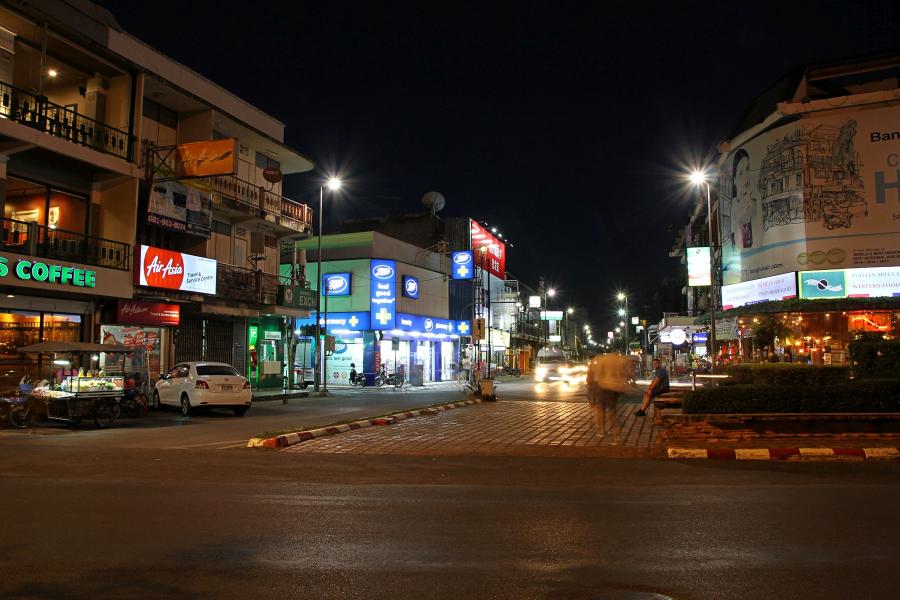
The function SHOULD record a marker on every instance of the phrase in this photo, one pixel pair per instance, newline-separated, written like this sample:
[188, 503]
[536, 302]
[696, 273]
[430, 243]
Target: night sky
[565, 124]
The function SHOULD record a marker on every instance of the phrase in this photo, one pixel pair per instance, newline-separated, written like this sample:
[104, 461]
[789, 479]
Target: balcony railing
[32, 239]
[246, 285]
[38, 112]
[265, 204]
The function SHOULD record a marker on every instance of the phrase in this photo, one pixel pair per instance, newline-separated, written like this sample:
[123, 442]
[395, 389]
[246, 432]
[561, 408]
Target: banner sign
[875, 282]
[134, 312]
[698, 266]
[336, 284]
[205, 159]
[776, 287]
[411, 287]
[49, 272]
[822, 192]
[534, 301]
[490, 253]
[551, 315]
[170, 270]
[462, 264]
[181, 207]
[383, 297]
[340, 322]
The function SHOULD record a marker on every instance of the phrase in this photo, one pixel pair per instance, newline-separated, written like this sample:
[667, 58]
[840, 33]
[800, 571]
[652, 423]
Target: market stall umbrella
[52, 346]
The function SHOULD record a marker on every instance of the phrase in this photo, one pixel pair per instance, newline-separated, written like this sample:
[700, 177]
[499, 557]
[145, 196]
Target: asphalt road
[153, 510]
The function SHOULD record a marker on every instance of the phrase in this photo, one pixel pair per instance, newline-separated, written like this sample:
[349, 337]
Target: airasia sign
[133, 312]
[170, 270]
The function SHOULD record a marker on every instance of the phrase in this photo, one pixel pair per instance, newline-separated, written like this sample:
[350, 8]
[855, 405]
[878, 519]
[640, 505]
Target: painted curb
[289, 439]
[785, 453]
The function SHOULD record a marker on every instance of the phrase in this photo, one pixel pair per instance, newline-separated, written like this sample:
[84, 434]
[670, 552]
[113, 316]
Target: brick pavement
[500, 428]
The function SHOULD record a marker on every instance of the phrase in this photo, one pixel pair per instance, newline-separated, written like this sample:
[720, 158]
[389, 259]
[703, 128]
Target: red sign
[134, 312]
[490, 253]
[156, 267]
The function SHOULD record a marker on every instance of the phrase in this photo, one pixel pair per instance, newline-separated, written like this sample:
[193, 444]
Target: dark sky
[563, 123]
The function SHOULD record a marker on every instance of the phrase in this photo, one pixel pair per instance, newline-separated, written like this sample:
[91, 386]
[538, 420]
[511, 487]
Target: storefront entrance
[265, 353]
[20, 328]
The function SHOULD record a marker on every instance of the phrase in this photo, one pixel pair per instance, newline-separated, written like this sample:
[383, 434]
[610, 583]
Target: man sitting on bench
[659, 385]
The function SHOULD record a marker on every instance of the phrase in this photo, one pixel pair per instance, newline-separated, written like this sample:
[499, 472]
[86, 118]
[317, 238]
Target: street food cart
[76, 389]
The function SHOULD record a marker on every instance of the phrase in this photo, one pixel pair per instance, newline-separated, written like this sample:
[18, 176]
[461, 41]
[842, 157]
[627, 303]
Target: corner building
[808, 212]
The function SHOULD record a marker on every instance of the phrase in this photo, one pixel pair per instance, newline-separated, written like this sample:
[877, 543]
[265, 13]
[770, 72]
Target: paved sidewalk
[499, 428]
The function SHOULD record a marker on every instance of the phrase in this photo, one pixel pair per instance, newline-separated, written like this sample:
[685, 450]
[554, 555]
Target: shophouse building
[386, 302]
[808, 206]
[141, 202]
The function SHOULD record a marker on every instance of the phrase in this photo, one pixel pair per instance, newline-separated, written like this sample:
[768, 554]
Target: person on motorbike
[355, 377]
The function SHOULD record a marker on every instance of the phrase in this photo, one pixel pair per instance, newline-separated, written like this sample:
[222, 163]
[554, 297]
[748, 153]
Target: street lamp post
[548, 292]
[333, 184]
[567, 341]
[699, 178]
[624, 313]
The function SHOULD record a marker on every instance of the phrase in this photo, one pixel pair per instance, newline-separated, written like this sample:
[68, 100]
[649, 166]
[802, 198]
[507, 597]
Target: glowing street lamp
[699, 178]
[333, 184]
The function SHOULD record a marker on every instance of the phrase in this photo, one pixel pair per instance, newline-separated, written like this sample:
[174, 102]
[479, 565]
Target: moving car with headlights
[553, 365]
[192, 385]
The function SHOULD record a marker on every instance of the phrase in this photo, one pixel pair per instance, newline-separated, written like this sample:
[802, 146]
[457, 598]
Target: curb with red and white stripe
[289, 439]
[786, 453]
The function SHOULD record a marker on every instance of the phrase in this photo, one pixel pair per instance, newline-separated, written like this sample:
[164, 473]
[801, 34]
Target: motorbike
[515, 371]
[394, 379]
[357, 378]
[134, 403]
[15, 410]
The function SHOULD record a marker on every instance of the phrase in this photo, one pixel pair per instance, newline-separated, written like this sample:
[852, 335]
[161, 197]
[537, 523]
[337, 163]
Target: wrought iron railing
[246, 285]
[38, 112]
[266, 204]
[31, 239]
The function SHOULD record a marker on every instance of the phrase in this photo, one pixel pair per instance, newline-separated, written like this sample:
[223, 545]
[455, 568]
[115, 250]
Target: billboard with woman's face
[819, 193]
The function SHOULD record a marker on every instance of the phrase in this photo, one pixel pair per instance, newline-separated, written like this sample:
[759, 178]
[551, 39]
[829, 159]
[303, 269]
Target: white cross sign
[353, 321]
[383, 316]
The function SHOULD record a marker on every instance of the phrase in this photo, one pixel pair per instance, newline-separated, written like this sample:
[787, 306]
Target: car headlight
[540, 373]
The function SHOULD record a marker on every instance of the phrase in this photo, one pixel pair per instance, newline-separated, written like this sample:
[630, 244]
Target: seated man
[659, 385]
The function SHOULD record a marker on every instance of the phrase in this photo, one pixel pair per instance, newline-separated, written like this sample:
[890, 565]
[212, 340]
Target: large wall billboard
[820, 193]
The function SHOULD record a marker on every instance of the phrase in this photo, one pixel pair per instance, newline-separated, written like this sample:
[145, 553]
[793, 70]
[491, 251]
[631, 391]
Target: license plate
[227, 388]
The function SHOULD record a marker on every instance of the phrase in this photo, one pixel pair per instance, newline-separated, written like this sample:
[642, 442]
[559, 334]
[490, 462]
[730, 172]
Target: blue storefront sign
[383, 296]
[341, 322]
[411, 287]
[336, 284]
[463, 266]
[424, 324]
[699, 338]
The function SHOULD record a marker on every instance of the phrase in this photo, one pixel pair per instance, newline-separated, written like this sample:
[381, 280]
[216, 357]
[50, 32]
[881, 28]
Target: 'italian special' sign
[170, 270]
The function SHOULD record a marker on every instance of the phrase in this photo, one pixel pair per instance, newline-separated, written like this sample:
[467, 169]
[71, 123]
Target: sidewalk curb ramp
[289, 439]
[785, 453]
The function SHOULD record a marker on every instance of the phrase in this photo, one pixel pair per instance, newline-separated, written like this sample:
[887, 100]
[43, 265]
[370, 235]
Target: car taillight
[202, 385]
[246, 385]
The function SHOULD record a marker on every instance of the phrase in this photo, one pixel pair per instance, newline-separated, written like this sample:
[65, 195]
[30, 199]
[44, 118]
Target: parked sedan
[193, 385]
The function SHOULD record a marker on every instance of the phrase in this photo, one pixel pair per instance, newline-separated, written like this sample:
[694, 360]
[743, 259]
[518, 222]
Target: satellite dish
[434, 200]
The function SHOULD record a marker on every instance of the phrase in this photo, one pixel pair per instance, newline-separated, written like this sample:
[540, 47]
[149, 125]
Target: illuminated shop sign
[490, 253]
[336, 284]
[426, 325]
[341, 322]
[170, 270]
[876, 282]
[698, 266]
[411, 287]
[777, 287]
[135, 312]
[27, 270]
[462, 264]
[383, 297]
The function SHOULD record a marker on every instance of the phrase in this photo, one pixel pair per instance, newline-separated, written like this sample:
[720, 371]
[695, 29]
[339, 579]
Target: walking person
[607, 377]
[659, 385]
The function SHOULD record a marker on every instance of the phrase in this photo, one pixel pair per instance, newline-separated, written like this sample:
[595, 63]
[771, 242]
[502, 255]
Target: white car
[193, 385]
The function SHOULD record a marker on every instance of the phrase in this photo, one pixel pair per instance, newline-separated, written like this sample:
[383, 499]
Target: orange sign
[204, 159]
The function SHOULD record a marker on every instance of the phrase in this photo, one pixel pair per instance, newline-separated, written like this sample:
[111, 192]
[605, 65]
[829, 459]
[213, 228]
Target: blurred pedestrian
[659, 385]
[607, 377]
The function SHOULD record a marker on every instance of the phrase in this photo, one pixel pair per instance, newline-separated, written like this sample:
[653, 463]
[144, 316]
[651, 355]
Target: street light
[333, 184]
[623, 312]
[699, 178]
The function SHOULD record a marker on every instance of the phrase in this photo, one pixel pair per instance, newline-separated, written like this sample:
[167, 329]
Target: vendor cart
[76, 389]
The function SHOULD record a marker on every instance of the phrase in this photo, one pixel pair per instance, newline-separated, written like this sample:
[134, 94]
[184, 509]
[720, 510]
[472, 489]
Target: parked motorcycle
[15, 410]
[134, 403]
[515, 371]
[394, 379]
[357, 378]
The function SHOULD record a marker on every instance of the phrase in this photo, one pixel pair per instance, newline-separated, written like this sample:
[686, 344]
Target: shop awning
[49, 347]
